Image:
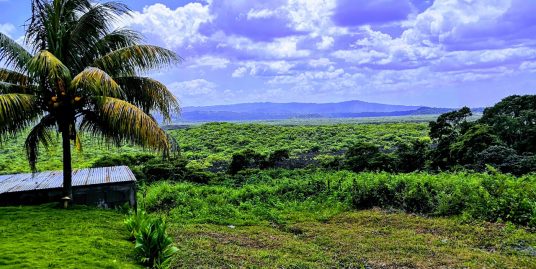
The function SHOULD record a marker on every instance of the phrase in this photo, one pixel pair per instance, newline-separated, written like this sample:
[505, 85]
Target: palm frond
[12, 54]
[17, 111]
[89, 29]
[119, 121]
[45, 63]
[96, 22]
[95, 82]
[13, 77]
[117, 39]
[6, 88]
[149, 95]
[36, 30]
[40, 134]
[137, 58]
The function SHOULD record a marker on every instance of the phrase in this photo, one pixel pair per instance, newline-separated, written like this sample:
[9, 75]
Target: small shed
[104, 186]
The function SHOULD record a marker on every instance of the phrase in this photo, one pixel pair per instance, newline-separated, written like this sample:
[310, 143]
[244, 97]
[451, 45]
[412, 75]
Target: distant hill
[304, 108]
[276, 111]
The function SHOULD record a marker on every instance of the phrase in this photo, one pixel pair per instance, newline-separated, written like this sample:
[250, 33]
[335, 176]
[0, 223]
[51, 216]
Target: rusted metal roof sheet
[54, 179]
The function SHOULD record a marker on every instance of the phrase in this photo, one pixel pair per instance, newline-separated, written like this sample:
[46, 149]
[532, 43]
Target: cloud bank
[331, 50]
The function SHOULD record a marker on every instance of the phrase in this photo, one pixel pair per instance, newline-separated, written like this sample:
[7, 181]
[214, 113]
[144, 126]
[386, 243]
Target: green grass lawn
[48, 237]
[358, 239]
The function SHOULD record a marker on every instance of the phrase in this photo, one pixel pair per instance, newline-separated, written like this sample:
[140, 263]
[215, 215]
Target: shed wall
[102, 195]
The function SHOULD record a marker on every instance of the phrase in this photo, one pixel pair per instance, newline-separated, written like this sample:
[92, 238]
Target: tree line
[503, 138]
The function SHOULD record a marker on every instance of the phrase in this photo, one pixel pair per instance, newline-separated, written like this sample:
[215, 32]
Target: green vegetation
[504, 137]
[49, 237]
[154, 247]
[454, 193]
[276, 195]
[211, 146]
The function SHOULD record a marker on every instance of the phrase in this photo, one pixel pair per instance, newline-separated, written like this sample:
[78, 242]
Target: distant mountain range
[275, 111]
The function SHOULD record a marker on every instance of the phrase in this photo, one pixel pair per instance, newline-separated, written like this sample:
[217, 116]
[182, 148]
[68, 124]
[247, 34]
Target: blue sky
[445, 53]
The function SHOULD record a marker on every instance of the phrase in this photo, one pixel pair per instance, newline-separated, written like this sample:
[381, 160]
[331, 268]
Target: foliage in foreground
[272, 196]
[154, 247]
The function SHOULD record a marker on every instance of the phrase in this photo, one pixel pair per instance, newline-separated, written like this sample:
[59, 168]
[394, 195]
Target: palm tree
[80, 75]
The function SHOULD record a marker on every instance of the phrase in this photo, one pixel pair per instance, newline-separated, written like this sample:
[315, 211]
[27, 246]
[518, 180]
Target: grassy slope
[47, 237]
[363, 239]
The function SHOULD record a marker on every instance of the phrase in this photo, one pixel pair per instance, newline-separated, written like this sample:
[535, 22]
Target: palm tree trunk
[67, 166]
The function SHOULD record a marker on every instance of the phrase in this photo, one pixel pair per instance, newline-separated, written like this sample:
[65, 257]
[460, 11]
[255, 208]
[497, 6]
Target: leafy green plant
[154, 247]
[134, 223]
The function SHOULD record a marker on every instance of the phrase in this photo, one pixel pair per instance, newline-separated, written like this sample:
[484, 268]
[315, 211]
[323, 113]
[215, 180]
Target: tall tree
[513, 119]
[79, 75]
[445, 131]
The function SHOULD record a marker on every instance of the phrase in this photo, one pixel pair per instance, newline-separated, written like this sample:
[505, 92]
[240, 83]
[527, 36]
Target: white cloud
[448, 19]
[314, 55]
[260, 14]
[262, 68]
[196, 87]
[7, 29]
[210, 61]
[326, 43]
[478, 59]
[240, 72]
[529, 66]
[177, 28]
[311, 15]
[286, 48]
[320, 62]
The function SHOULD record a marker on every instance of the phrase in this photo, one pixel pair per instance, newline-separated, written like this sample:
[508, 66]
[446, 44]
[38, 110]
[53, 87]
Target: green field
[309, 217]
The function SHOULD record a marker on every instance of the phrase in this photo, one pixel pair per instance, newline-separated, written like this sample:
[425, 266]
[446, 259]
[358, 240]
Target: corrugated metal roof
[54, 179]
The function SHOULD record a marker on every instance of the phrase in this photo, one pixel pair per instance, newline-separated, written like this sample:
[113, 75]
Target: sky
[442, 53]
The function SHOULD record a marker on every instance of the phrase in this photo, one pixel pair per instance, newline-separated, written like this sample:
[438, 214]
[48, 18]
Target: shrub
[169, 169]
[245, 159]
[368, 157]
[123, 159]
[135, 222]
[154, 247]
[276, 158]
[507, 160]
[411, 157]
[270, 194]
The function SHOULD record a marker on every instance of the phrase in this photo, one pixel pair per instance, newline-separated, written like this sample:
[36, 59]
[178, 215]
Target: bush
[123, 159]
[169, 169]
[154, 247]
[249, 159]
[412, 157]
[135, 222]
[507, 160]
[267, 195]
[245, 159]
[276, 158]
[368, 157]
